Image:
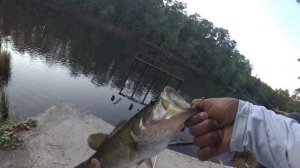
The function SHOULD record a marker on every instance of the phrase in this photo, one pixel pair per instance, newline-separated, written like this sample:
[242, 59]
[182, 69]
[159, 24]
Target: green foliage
[245, 159]
[281, 98]
[166, 24]
[9, 129]
[104, 9]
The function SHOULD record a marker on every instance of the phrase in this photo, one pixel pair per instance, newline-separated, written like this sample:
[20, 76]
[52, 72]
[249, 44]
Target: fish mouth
[175, 98]
[173, 102]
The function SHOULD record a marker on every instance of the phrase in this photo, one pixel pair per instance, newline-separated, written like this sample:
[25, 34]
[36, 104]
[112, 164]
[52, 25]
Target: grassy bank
[8, 128]
[9, 138]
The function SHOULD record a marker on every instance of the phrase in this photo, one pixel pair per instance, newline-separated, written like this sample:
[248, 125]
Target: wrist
[239, 126]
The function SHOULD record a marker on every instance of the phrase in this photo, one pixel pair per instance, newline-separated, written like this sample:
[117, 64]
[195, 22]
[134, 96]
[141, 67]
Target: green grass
[244, 160]
[9, 138]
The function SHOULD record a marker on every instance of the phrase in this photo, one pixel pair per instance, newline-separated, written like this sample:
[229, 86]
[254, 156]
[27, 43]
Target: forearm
[274, 139]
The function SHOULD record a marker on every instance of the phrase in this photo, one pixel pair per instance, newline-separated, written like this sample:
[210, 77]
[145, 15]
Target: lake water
[54, 60]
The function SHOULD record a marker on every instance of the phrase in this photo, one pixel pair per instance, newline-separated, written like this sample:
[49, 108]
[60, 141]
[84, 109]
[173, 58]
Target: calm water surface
[54, 60]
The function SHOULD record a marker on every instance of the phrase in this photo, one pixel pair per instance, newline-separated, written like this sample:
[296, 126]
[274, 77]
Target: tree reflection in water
[4, 105]
[5, 72]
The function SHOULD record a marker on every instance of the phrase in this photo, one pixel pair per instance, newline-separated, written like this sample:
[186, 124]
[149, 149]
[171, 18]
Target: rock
[60, 141]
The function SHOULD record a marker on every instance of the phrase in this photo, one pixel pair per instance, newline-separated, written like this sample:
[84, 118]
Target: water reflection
[4, 68]
[102, 57]
[53, 60]
[4, 105]
[5, 72]
[83, 50]
[146, 73]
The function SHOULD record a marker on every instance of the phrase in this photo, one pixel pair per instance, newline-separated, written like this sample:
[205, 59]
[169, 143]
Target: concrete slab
[60, 141]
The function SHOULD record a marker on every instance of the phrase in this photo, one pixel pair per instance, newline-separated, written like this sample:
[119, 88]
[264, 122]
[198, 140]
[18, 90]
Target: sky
[267, 33]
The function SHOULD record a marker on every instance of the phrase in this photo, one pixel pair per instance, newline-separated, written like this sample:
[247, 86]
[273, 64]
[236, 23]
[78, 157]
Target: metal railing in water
[149, 71]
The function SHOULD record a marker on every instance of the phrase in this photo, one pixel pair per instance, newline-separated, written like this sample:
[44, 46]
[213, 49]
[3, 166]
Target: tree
[192, 39]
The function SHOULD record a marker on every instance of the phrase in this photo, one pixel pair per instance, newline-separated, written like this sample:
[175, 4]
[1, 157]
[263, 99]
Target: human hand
[95, 163]
[277, 111]
[212, 129]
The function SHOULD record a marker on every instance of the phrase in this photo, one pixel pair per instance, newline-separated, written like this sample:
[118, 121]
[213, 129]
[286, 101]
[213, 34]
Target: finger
[95, 163]
[207, 153]
[196, 119]
[204, 127]
[209, 139]
[226, 135]
[195, 100]
[222, 110]
[198, 103]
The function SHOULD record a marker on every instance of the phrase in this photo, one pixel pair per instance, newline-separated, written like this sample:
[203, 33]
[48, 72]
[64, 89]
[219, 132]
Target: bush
[9, 138]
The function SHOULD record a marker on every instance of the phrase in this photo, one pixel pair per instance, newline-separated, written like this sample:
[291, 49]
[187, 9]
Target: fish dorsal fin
[95, 140]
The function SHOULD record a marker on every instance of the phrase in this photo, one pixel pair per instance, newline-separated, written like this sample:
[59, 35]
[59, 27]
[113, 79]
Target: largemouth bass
[145, 135]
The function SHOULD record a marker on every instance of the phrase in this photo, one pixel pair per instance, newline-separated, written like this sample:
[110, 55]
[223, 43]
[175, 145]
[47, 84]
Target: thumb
[198, 103]
[95, 163]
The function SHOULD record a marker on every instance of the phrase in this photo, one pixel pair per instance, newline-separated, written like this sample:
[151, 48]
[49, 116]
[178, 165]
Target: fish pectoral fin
[150, 163]
[95, 140]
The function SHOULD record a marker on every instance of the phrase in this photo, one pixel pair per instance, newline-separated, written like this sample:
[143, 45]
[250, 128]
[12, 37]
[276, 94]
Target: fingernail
[194, 101]
[204, 153]
[203, 115]
[93, 164]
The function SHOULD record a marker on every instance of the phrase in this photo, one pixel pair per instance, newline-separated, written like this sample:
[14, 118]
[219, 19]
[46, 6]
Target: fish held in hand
[143, 136]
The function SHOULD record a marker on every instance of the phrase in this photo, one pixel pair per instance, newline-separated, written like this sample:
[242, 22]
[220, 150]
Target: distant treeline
[166, 24]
